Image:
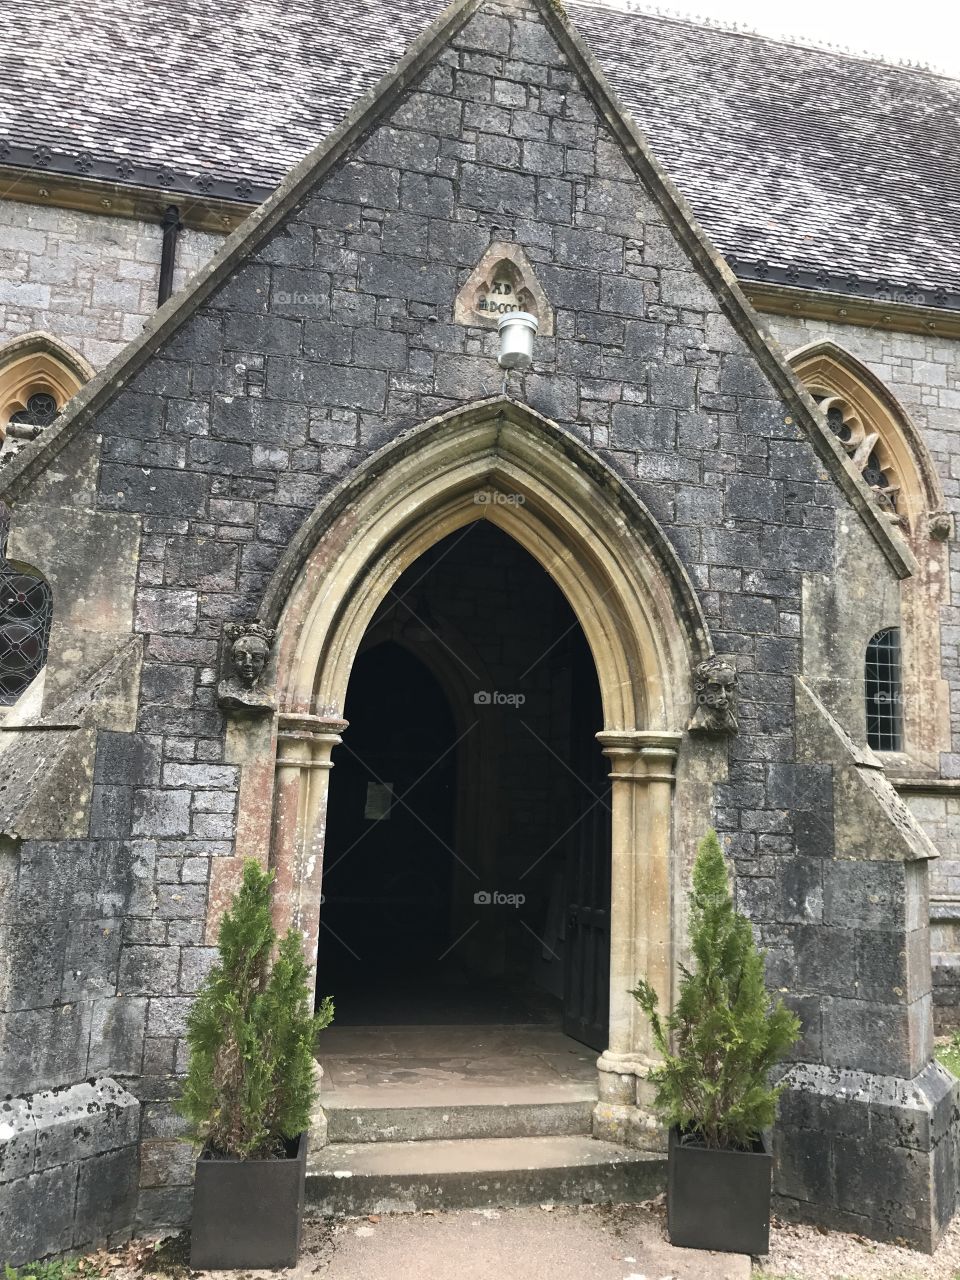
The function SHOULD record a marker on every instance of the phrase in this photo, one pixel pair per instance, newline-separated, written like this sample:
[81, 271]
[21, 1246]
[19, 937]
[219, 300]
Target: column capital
[297, 725]
[641, 755]
[307, 741]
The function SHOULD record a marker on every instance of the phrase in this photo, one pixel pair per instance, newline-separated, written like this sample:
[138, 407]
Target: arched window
[38, 375]
[881, 441]
[883, 691]
[888, 450]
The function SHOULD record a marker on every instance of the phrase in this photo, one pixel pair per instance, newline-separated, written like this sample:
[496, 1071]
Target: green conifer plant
[726, 1032]
[250, 1085]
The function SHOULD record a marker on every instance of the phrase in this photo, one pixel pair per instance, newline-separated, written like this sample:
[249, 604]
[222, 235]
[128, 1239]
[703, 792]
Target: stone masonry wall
[924, 375]
[336, 335]
[90, 281]
[68, 1170]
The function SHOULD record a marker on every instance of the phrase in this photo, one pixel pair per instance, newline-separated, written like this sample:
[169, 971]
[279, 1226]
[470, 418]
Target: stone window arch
[38, 375]
[889, 451]
[876, 432]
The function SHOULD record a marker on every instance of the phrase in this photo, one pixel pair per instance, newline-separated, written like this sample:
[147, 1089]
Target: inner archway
[467, 852]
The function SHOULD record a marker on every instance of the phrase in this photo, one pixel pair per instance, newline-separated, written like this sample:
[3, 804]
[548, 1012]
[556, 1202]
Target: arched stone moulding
[879, 421]
[34, 363]
[499, 460]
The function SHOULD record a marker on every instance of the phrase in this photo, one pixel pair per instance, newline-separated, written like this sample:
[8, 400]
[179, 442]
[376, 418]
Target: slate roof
[806, 166]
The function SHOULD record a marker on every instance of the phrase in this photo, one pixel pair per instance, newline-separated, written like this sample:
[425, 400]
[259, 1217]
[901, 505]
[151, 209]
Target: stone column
[304, 747]
[641, 946]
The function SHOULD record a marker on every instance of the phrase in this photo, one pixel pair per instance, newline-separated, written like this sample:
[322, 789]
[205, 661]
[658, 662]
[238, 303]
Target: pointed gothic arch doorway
[500, 462]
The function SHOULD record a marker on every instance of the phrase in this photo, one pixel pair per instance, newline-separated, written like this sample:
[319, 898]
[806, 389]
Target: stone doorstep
[472, 1114]
[352, 1179]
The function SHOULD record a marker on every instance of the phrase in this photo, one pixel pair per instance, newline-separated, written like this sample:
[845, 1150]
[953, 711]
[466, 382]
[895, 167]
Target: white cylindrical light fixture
[517, 330]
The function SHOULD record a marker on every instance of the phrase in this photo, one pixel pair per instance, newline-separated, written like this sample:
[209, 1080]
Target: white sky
[915, 30]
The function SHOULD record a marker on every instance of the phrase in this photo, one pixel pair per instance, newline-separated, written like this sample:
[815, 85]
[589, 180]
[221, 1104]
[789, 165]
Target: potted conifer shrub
[250, 1089]
[713, 1087]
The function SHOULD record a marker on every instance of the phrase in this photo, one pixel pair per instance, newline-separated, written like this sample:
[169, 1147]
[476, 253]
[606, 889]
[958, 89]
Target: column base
[624, 1113]
[628, 1126]
[870, 1154]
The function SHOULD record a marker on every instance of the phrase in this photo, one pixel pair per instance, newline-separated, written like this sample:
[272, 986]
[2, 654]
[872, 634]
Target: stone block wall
[68, 1170]
[88, 280]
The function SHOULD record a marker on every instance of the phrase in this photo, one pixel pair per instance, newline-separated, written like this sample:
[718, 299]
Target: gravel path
[804, 1253]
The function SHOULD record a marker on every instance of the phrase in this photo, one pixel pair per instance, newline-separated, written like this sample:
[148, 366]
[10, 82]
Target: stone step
[349, 1120]
[352, 1179]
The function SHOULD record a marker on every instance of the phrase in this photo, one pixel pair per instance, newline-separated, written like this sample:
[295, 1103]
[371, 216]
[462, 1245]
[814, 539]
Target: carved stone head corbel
[715, 697]
[244, 651]
[940, 525]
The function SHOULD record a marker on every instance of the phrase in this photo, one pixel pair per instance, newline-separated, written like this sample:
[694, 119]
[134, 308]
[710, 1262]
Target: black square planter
[718, 1199]
[247, 1213]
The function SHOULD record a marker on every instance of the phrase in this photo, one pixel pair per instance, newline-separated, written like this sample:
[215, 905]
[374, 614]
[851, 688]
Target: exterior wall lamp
[516, 330]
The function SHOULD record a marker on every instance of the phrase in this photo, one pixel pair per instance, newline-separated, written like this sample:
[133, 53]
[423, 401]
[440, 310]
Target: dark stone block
[206, 563]
[590, 249]
[341, 385]
[291, 245]
[247, 290]
[485, 31]
[37, 1214]
[363, 184]
[750, 613]
[803, 1165]
[886, 1184]
[83, 1122]
[406, 278]
[826, 959]
[134, 415]
[423, 194]
[161, 813]
[380, 349]
[554, 201]
[497, 190]
[149, 971]
[106, 1196]
[741, 376]
[625, 296]
[640, 427]
[808, 549]
[153, 490]
[91, 958]
[256, 421]
[42, 1048]
[865, 894]
[553, 396]
[429, 112]
[276, 333]
[405, 233]
[160, 1207]
[755, 498]
[117, 1034]
[870, 1036]
[32, 971]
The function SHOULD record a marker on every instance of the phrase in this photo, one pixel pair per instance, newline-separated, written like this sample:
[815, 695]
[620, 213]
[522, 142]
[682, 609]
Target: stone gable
[325, 339]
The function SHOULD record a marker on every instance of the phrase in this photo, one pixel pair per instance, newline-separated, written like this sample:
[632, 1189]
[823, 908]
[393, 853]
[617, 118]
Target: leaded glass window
[26, 610]
[883, 691]
[40, 412]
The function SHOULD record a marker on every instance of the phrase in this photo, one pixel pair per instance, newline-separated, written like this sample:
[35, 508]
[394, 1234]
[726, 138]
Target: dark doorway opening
[467, 852]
